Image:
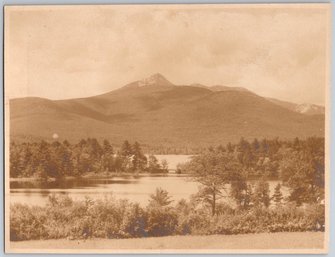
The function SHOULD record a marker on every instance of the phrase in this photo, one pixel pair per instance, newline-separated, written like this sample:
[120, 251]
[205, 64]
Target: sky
[62, 52]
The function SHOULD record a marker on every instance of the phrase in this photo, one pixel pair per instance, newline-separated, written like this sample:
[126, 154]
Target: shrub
[109, 218]
[161, 221]
[27, 223]
[195, 223]
[135, 222]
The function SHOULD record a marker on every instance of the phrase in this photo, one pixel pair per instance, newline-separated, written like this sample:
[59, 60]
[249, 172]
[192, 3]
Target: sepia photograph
[167, 128]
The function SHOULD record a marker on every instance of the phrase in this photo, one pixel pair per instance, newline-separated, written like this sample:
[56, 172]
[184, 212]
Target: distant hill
[220, 88]
[226, 88]
[155, 112]
[309, 109]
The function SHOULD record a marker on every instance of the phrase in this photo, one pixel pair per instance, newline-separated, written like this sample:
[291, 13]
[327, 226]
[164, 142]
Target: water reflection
[72, 183]
[136, 189]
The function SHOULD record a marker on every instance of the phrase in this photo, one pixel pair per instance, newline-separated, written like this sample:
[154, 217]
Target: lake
[136, 189]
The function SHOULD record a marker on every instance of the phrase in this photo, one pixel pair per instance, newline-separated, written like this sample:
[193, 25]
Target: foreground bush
[27, 223]
[63, 217]
[161, 221]
[280, 219]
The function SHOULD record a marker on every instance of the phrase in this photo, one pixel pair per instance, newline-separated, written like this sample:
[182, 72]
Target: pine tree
[277, 196]
[262, 193]
[126, 157]
[153, 165]
[107, 158]
[139, 159]
[107, 147]
[165, 166]
[44, 159]
[238, 190]
[248, 196]
[126, 149]
[161, 198]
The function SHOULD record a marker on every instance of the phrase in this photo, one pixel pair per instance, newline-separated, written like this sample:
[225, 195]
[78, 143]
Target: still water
[136, 189]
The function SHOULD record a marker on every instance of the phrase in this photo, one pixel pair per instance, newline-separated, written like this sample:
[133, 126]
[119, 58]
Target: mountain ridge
[158, 79]
[154, 111]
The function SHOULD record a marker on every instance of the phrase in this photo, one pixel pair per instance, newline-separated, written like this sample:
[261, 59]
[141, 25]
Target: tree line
[227, 172]
[262, 158]
[57, 160]
[256, 159]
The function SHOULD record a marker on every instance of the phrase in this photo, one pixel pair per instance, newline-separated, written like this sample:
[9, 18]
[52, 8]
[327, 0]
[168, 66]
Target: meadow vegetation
[63, 217]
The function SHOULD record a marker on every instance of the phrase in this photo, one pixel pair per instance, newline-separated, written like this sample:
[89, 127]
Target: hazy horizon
[63, 52]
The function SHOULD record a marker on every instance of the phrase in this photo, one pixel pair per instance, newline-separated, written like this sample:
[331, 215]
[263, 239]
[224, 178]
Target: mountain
[220, 88]
[309, 109]
[225, 88]
[156, 112]
[154, 80]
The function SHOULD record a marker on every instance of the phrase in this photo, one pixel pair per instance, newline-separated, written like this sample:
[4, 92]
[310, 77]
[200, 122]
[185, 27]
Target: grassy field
[285, 240]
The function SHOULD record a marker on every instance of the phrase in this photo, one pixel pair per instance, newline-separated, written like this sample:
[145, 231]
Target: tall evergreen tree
[107, 157]
[262, 193]
[126, 149]
[248, 196]
[139, 159]
[238, 190]
[277, 195]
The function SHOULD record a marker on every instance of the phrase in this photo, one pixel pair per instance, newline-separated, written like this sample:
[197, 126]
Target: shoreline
[103, 175]
[110, 175]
